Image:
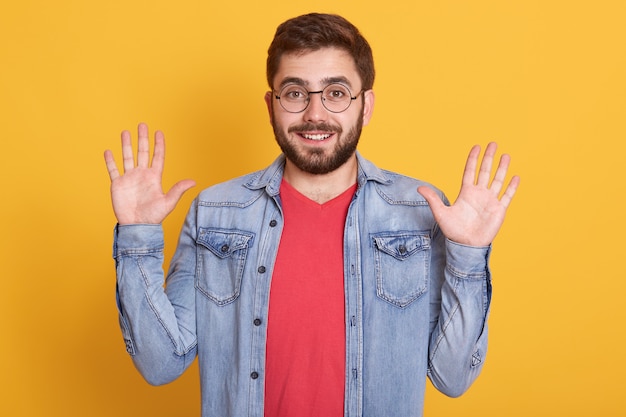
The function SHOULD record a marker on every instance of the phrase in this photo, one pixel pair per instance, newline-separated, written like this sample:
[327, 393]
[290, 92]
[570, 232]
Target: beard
[318, 161]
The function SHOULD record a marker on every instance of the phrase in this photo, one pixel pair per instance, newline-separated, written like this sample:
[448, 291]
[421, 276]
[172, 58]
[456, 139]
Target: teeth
[317, 137]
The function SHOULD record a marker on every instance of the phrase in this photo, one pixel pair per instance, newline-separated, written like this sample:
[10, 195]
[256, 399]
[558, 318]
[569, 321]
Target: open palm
[478, 212]
[137, 194]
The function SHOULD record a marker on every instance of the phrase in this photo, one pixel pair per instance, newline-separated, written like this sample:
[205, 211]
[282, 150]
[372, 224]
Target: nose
[315, 111]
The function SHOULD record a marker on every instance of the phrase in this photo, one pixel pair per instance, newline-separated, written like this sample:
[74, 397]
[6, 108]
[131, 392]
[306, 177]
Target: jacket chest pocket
[221, 259]
[402, 266]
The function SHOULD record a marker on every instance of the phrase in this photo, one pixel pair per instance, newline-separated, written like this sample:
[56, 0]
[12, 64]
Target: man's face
[318, 141]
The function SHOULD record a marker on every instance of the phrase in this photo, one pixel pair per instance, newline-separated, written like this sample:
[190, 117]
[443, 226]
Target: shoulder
[402, 189]
[234, 192]
[244, 190]
[393, 187]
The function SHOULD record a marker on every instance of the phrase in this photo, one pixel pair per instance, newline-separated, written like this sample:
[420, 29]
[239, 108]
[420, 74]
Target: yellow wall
[546, 79]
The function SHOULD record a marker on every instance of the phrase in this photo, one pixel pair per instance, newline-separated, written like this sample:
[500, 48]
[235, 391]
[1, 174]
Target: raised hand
[478, 212]
[137, 194]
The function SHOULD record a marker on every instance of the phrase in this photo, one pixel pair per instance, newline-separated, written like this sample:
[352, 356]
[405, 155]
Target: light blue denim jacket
[416, 304]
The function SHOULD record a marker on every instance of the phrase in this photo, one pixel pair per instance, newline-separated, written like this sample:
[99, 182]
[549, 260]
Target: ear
[268, 103]
[368, 106]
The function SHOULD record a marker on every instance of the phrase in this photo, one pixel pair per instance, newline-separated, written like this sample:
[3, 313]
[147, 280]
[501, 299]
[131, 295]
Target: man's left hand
[478, 212]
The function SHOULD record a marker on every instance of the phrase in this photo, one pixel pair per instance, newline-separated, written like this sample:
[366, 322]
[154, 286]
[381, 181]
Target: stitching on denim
[475, 276]
[138, 251]
[476, 359]
[443, 332]
[389, 200]
[177, 351]
[238, 204]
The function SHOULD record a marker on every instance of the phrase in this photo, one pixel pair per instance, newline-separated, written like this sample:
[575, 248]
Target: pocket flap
[401, 246]
[223, 243]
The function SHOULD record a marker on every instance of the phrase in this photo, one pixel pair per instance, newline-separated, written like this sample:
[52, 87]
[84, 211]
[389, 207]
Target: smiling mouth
[317, 137]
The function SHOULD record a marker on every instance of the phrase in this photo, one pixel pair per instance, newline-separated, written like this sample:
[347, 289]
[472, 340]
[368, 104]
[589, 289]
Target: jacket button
[402, 249]
[257, 322]
[254, 375]
[261, 270]
[224, 248]
[273, 223]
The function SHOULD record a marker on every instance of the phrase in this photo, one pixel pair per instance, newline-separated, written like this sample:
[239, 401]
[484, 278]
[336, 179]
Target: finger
[127, 151]
[498, 179]
[469, 175]
[510, 191]
[484, 174]
[158, 159]
[111, 166]
[143, 146]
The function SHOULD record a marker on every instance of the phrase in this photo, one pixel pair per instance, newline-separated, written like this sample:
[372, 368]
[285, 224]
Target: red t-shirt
[305, 371]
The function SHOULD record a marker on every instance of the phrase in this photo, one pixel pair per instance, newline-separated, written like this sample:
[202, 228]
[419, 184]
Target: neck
[325, 187]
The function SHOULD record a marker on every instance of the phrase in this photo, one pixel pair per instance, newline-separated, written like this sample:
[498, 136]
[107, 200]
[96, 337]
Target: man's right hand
[137, 194]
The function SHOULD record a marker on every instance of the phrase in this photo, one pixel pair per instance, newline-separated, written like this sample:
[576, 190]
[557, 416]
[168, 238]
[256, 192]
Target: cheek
[286, 120]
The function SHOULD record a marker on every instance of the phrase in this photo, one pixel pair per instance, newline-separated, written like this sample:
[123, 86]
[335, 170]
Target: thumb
[433, 199]
[177, 191]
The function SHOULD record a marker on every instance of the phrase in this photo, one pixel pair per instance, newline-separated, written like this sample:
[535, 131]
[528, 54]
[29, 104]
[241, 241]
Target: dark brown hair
[315, 31]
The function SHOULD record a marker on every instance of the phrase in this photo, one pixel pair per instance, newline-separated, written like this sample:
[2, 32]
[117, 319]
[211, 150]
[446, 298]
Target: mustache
[313, 127]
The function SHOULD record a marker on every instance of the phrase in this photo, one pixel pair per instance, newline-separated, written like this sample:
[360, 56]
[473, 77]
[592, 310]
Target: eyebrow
[324, 81]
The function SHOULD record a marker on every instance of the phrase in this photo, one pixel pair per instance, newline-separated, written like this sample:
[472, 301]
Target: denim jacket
[416, 304]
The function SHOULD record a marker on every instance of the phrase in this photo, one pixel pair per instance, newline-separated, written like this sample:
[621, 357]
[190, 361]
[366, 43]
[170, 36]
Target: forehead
[317, 68]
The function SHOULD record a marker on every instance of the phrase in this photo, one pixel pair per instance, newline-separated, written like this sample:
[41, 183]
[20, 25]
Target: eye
[294, 93]
[336, 92]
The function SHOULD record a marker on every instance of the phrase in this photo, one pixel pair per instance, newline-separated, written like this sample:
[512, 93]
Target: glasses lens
[294, 98]
[336, 97]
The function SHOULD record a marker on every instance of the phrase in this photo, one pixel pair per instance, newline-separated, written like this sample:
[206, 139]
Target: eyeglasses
[336, 98]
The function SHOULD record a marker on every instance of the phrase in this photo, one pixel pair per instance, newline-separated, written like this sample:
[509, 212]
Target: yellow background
[546, 79]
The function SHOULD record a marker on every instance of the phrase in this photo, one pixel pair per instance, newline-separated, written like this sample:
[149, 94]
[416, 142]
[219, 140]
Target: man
[322, 285]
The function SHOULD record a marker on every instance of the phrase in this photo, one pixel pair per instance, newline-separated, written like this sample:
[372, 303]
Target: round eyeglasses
[336, 98]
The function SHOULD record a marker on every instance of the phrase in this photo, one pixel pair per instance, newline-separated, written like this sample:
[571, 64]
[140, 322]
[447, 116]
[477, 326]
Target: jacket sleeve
[158, 323]
[460, 302]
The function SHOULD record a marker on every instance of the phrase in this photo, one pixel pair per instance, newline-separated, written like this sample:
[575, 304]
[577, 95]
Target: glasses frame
[277, 95]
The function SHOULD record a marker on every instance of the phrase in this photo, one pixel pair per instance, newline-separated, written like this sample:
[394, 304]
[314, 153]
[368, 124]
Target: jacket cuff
[468, 261]
[137, 239]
